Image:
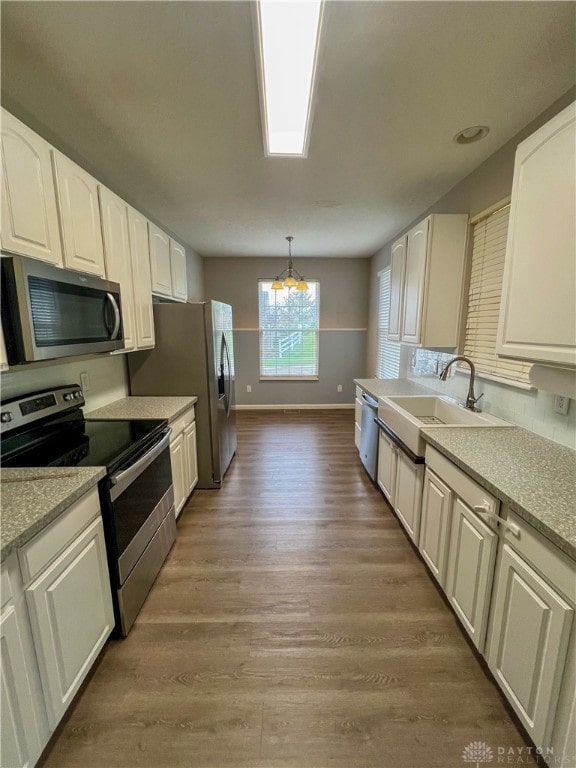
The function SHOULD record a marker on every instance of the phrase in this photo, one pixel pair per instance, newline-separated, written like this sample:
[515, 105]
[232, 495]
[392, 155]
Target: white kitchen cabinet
[357, 417]
[527, 651]
[397, 267]
[538, 313]
[387, 465]
[191, 459]
[29, 215]
[117, 258]
[24, 728]
[141, 280]
[427, 282]
[471, 558]
[69, 600]
[408, 494]
[178, 465]
[3, 355]
[183, 457]
[435, 525]
[160, 268]
[178, 271]
[79, 212]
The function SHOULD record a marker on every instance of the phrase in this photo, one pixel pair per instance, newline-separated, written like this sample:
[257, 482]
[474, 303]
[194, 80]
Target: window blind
[289, 324]
[388, 357]
[488, 251]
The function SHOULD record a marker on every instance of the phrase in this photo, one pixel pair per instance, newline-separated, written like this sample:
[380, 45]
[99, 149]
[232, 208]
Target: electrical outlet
[248, 387]
[339, 388]
[561, 404]
[85, 382]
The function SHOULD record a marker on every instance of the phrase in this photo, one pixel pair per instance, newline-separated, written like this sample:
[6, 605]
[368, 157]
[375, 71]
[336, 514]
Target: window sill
[289, 378]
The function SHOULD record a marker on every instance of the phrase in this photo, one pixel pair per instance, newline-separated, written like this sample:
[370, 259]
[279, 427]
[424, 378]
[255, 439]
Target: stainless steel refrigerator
[194, 355]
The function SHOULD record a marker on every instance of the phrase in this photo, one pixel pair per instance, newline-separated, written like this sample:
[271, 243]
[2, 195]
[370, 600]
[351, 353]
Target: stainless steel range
[48, 429]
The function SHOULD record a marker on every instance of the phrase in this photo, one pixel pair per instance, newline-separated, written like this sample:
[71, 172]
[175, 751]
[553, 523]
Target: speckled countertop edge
[31, 498]
[534, 476]
[146, 407]
[389, 387]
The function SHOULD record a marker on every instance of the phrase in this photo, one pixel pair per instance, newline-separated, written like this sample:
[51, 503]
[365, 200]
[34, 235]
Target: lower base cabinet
[183, 458]
[435, 520]
[387, 464]
[408, 494]
[531, 626]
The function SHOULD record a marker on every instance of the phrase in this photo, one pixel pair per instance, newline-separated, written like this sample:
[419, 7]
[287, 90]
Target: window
[289, 322]
[388, 359]
[489, 234]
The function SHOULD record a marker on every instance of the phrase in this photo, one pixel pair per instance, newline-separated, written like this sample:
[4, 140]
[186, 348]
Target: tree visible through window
[289, 321]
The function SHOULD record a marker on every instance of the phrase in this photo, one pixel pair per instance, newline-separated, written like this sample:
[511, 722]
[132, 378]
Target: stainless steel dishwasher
[369, 435]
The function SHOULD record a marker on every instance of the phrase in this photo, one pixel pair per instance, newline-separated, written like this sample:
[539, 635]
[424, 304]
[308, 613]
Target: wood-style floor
[292, 626]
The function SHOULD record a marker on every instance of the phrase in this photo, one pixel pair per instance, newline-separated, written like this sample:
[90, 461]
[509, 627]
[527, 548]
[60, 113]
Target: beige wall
[343, 319]
[488, 184]
[194, 275]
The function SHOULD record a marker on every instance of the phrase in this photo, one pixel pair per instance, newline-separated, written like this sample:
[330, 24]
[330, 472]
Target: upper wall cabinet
[117, 254]
[142, 284]
[77, 196]
[29, 217]
[178, 269]
[160, 261]
[538, 312]
[427, 281]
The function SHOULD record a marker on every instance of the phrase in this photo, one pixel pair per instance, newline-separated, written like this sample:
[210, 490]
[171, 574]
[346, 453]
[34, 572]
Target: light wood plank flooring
[292, 626]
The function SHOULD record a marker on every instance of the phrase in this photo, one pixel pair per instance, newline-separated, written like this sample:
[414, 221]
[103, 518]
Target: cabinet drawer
[359, 391]
[47, 544]
[5, 588]
[462, 485]
[183, 421]
[358, 412]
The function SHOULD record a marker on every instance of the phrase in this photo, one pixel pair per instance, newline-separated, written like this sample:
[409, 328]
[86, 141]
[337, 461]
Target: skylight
[289, 33]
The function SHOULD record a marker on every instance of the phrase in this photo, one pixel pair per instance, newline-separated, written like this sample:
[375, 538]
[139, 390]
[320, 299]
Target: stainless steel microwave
[48, 312]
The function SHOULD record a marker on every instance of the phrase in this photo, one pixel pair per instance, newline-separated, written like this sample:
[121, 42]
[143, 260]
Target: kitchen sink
[407, 416]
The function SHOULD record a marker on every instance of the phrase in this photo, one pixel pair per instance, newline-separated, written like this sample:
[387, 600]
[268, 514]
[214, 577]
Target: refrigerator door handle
[228, 374]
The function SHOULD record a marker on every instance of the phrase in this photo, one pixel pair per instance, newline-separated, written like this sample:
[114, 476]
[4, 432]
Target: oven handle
[123, 479]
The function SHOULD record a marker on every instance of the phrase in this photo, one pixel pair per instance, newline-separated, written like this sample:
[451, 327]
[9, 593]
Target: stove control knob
[5, 417]
[77, 395]
[68, 396]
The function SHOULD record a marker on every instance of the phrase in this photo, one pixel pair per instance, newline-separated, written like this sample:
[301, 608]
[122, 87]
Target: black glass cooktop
[72, 441]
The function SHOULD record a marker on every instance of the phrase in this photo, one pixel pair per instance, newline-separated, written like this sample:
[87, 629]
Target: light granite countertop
[32, 498]
[391, 387]
[535, 477]
[144, 408]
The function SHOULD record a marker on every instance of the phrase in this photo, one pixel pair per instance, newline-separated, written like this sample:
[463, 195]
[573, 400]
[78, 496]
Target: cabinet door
[414, 280]
[191, 458]
[531, 625]
[471, 557]
[21, 743]
[3, 356]
[142, 283]
[29, 216]
[160, 270]
[117, 255]
[178, 269]
[71, 615]
[77, 196]
[538, 311]
[408, 494]
[357, 422]
[435, 525]
[397, 268]
[387, 459]
[178, 463]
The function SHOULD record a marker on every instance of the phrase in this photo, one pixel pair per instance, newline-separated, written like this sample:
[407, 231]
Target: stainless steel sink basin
[407, 416]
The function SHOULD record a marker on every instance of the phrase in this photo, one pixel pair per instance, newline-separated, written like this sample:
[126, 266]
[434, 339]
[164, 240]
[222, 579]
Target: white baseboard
[295, 407]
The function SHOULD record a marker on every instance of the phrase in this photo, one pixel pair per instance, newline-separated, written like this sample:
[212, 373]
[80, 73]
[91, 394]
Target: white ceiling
[160, 100]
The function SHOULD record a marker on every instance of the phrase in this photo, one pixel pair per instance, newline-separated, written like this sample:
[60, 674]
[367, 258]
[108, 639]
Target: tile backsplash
[531, 409]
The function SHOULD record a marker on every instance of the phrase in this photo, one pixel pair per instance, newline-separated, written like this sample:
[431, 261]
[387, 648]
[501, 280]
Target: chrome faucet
[471, 399]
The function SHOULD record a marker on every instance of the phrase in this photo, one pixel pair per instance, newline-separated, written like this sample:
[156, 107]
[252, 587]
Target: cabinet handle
[483, 509]
[512, 527]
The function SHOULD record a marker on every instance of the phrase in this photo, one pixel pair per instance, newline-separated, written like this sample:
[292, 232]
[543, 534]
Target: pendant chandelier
[293, 278]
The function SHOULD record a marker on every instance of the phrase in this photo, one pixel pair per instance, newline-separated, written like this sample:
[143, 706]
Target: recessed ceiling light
[469, 135]
[288, 34]
[327, 203]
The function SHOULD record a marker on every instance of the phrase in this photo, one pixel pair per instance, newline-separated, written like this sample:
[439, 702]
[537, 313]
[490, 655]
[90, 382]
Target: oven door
[49, 312]
[140, 525]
